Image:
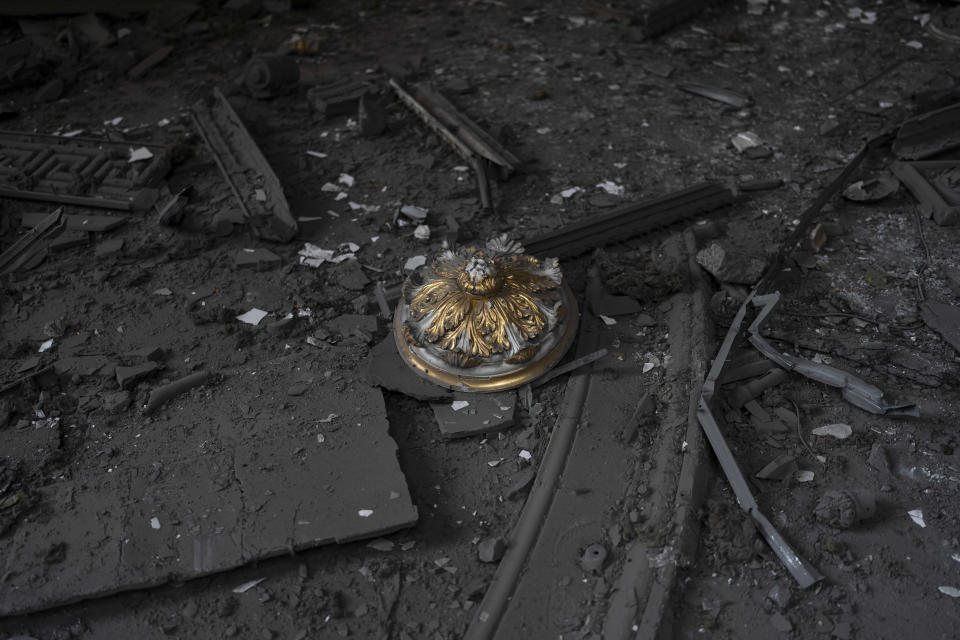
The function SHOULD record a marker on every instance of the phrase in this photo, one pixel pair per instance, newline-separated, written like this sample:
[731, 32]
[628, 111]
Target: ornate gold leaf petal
[524, 355]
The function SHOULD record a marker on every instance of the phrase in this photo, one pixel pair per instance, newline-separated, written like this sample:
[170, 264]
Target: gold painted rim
[490, 384]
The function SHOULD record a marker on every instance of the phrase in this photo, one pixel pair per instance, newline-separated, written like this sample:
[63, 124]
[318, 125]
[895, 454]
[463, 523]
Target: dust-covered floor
[283, 494]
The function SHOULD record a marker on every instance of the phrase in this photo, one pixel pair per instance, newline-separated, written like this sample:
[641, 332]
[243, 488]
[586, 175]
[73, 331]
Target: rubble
[276, 442]
[843, 509]
[491, 549]
[727, 266]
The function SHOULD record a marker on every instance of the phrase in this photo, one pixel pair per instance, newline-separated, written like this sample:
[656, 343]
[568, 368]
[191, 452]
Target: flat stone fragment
[483, 413]
[68, 240]
[351, 276]
[491, 549]
[616, 306]
[190, 512]
[108, 247]
[726, 266]
[384, 368]
[348, 322]
[780, 468]
[257, 258]
[944, 319]
[128, 375]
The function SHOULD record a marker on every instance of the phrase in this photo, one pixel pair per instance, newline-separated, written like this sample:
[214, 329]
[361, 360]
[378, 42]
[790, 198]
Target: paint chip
[607, 320]
[804, 476]
[415, 263]
[140, 153]
[456, 405]
[246, 586]
[46, 345]
[611, 187]
[154, 522]
[254, 316]
[953, 592]
[917, 516]
[839, 431]
[365, 513]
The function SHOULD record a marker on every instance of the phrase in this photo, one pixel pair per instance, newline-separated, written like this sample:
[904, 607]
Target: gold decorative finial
[485, 319]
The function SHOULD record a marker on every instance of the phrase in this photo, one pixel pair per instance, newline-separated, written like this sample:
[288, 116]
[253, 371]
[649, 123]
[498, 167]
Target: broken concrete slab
[944, 319]
[108, 247]
[470, 414]
[258, 495]
[348, 322]
[127, 376]
[384, 368]
[255, 258]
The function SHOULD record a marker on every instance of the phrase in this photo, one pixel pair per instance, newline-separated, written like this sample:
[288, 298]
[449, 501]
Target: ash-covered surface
[271, 439]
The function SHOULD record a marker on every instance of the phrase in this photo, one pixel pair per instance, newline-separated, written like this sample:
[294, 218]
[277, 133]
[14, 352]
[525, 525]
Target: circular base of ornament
[490, 378]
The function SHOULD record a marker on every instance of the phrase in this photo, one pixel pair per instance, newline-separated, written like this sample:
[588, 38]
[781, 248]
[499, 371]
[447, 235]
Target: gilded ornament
[485, 319]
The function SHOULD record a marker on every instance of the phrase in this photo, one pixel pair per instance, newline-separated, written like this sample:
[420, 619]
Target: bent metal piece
[856, 391]
[485, 319]
[805, 574]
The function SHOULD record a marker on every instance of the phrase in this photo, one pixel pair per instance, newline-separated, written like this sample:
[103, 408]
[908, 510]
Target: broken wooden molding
[241, 162]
